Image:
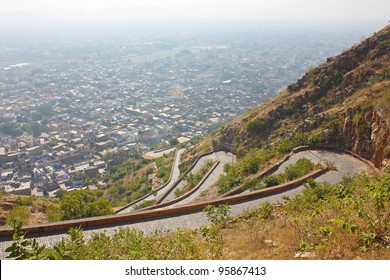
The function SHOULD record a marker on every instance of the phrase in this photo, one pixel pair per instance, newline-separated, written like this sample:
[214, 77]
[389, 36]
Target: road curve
[174, 177]
[154, 154]
[222, 157]
[346, 165]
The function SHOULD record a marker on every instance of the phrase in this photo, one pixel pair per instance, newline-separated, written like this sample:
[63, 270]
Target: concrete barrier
[340, 150]
[187, 194]
[182, 176]
[157, 213]
[296, 150]
[151, 193]
[158, 151]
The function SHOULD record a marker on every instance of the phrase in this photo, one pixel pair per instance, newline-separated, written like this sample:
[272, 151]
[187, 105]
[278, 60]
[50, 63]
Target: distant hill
[343, 103]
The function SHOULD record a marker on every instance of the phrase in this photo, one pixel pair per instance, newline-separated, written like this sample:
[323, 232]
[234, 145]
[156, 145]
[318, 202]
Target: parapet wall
[157, 213]
[187, 194]
[179, 210]
[182, 176]
[296, 150]
[149, 194]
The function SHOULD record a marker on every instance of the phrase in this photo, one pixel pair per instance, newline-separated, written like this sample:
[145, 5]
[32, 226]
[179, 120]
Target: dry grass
[35, 208]
[197, 150]
[133, 176]
[261, 239]
[324, 221]
[280, 239]
[155, 181]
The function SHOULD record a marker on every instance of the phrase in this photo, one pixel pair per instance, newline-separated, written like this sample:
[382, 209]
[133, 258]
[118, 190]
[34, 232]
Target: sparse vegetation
[20, 213]
[133, 178]
[347, 220]
[258, 126]
[28, 209]
[194, 179]
[343, 221]
[145, 204]
[164, 165]
[294, 171]
[217, 216]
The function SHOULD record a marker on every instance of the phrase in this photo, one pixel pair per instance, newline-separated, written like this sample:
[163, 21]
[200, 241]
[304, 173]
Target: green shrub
[192, 181]
[250, 164]
[145, 204]
[286, 145]
[83, 203]
[173, 142]
[386, 152]
[162, 172]
[323, 100]
[230, 180]
[19, 214]
[302, 167]
[294, 171]
[258, 126]
[149, 171]
[252, 184]
[22, 249]
[53, 213]
[274, 180]
[218, 215]
[25, 200]
[265, 210]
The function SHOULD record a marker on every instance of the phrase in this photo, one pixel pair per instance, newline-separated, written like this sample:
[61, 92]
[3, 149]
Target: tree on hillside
[173, 142]
[83, 204]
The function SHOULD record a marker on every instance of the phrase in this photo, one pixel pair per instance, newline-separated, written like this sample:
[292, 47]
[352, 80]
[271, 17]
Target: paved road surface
[152, 154]
[223, 157]
[175, 177]
[346, 165]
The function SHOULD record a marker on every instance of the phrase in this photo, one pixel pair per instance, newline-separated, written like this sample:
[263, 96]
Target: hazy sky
[373, 10]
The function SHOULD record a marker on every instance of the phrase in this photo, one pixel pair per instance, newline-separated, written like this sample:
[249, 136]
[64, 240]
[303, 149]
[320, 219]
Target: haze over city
[170, 117]
[279, 12]
[127, 75]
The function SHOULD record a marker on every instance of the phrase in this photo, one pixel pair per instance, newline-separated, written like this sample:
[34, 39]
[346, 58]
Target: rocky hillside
[343, 103]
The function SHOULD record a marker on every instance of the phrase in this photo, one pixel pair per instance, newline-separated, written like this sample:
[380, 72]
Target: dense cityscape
[64, 108]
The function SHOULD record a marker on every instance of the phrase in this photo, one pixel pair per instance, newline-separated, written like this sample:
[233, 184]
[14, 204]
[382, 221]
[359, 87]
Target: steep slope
[343, 103]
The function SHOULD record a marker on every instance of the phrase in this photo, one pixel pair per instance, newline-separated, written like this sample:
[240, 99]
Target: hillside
[343, 103]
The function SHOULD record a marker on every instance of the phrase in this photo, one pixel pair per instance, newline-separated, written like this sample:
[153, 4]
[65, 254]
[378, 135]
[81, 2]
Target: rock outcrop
[343, 103]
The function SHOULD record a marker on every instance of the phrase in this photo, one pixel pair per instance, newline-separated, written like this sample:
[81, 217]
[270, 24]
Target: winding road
[174, 177]
[154, 154]
[346, 165]
[222, 157]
